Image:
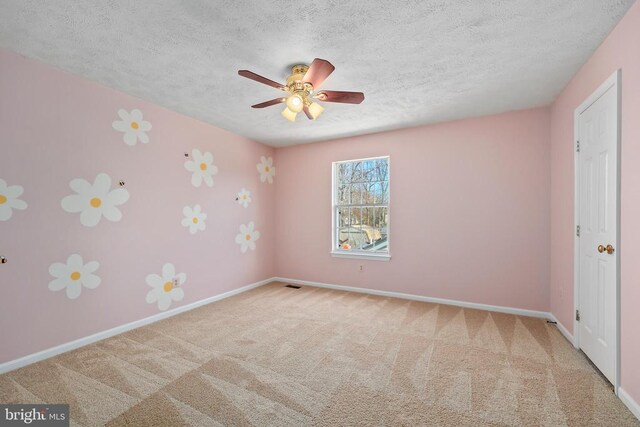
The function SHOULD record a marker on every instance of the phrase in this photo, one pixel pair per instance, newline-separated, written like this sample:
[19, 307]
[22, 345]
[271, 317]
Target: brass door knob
[609, 249]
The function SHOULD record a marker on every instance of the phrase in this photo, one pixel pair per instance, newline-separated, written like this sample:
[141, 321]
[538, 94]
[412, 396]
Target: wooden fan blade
[269, 103]
[339, 96]
[307, 112]
[253, 76]
[318, 72]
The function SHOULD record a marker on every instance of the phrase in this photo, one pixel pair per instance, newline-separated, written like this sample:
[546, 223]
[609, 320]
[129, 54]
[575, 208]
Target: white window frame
[355, 254]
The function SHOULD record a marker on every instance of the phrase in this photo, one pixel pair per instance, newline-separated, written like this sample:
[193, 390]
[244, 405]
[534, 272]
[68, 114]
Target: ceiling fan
[302, 89]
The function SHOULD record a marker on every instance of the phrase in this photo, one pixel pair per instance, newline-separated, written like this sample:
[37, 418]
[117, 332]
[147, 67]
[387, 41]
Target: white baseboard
[498, 308]
[72, 345]
[633, 406]
[564, 331]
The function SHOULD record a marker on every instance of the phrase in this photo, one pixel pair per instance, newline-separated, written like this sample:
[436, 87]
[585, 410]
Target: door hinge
[578, 230]
[578, 315]
[578, 146]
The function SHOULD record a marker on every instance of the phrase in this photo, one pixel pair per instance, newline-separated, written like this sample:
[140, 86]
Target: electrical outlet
[176, 283]
[361, 267]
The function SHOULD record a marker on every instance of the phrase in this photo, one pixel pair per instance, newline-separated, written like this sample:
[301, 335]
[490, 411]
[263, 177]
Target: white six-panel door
[598, 220]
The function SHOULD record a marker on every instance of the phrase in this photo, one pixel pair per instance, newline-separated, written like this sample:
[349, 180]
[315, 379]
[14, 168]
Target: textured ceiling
[417, 62]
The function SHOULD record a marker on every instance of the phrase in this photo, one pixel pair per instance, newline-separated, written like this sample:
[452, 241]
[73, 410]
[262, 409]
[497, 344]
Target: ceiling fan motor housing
[299, 69]
[296, 86]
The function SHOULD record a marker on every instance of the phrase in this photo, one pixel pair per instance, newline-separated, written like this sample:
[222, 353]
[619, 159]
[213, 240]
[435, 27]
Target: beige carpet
[287, 357]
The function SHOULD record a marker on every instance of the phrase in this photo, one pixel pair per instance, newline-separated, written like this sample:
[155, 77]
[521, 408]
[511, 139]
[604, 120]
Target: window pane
[356, 194]
[367, 217]
[343, 217]
[356, 175]
[343, 194]
[369, 231]
[356, 228]
[368, 170]
[381, 220]
[376, 193]
[368, 193]
[356, 216]
[344, 172]
[382, 170]
[384, 193]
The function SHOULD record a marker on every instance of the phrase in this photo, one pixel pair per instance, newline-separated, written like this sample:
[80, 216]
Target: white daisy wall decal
[194, 218]
[247, 237]
[266, 169]
[133, 127]
[74, 275]
[244, 197]
[166, 287]
[95, 201]
[201, 167]
[9, 200]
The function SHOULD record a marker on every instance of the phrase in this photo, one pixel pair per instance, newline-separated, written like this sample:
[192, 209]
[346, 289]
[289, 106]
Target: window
[361, 208]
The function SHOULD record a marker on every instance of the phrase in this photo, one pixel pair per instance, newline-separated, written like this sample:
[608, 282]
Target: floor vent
[292, 286]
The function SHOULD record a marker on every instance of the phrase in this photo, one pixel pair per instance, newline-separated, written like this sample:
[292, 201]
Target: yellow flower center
[266, 168]
[195, 220]
[244, 197]
[95, 202]
[134, 125]
[203, 166]
[75, 275]
[248, 237]
[3, 199]
[167, 287]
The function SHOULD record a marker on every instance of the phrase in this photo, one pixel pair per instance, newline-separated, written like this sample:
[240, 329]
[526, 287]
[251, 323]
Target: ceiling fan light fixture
[315, 110]
[302, 88]
[289, 115]
[295, 103]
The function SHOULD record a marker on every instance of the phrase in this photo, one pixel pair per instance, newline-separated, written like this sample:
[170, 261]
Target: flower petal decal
[9, 200]
[167, 287]
[247, 237]
[96, 200]
[202, 168]
[194, 218]
[132, 126]
[73, 275]
[266, 169]
[244, 197]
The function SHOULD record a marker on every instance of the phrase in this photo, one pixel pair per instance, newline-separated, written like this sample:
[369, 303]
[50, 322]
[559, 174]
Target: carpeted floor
[310, 356]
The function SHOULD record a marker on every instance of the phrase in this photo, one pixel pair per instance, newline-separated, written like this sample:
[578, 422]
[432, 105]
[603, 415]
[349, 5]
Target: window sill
[360, 255]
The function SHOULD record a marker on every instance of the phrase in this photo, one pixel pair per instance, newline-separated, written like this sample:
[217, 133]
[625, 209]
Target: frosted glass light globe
[295, 103]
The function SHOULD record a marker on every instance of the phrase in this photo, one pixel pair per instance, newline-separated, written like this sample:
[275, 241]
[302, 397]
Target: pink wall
[469, 211]
[55, 127]
[620, 50]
